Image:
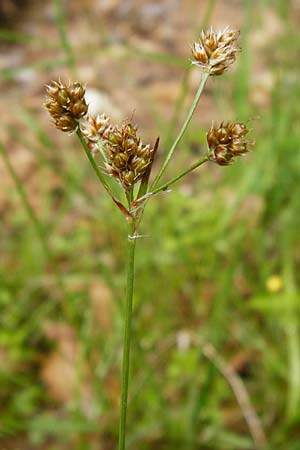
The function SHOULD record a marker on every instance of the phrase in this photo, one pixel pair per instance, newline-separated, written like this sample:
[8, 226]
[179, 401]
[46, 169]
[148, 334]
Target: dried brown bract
[215, 52]
[95, 129]
[228, 141]
[128, 158]
[66, 104]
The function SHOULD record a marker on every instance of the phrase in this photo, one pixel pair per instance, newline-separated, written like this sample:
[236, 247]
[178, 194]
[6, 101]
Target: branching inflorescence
[124, 158]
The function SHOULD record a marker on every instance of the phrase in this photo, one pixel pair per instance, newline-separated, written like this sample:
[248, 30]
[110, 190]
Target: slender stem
[185, 82]
[127, 335]
[91, 159]
[101, 178]
[181, 175]
[23, 196]
[190, 113]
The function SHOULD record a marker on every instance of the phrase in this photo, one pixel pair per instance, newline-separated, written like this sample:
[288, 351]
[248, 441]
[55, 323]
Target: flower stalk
[204, 78]
[92, 160]
[169, 183]
[100, 176]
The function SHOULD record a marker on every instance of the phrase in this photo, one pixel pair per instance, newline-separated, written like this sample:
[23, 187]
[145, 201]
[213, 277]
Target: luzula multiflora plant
[127, 160]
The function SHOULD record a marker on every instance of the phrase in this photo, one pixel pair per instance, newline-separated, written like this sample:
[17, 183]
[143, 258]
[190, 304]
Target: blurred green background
[216, 350]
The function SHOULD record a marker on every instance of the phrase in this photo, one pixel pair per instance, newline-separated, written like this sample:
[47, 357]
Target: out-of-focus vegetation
[220, 267]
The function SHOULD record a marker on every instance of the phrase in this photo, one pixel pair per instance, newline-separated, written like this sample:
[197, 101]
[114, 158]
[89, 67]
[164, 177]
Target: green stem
[91, 159]
[185, 82]
[23, 196]
[127, 335]
[190, 113]
[181, 175]
[101, 178]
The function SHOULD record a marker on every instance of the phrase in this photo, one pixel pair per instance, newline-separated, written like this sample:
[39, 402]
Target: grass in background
[239, 254]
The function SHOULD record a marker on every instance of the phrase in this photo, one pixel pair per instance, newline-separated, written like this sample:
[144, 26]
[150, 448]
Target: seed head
[66, 104]
[128, 158]
[94, 129]
[215, 52]
[228, 141]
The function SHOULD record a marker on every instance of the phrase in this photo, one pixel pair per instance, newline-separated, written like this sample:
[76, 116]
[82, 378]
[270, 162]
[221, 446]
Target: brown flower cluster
[95, 129]
[66, 104]
[128, 158]
[215, 52]
[228, 141]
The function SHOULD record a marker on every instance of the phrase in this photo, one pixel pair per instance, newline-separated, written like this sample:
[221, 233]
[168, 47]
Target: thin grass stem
[204, 78]
[91, 159]
[181, 175]
[127, 335]
[185, 81]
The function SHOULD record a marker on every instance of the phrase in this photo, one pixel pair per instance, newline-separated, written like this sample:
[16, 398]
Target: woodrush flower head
[128, 158]
[215, 52]
[66, 104]
[95, 129]
[228, 141]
